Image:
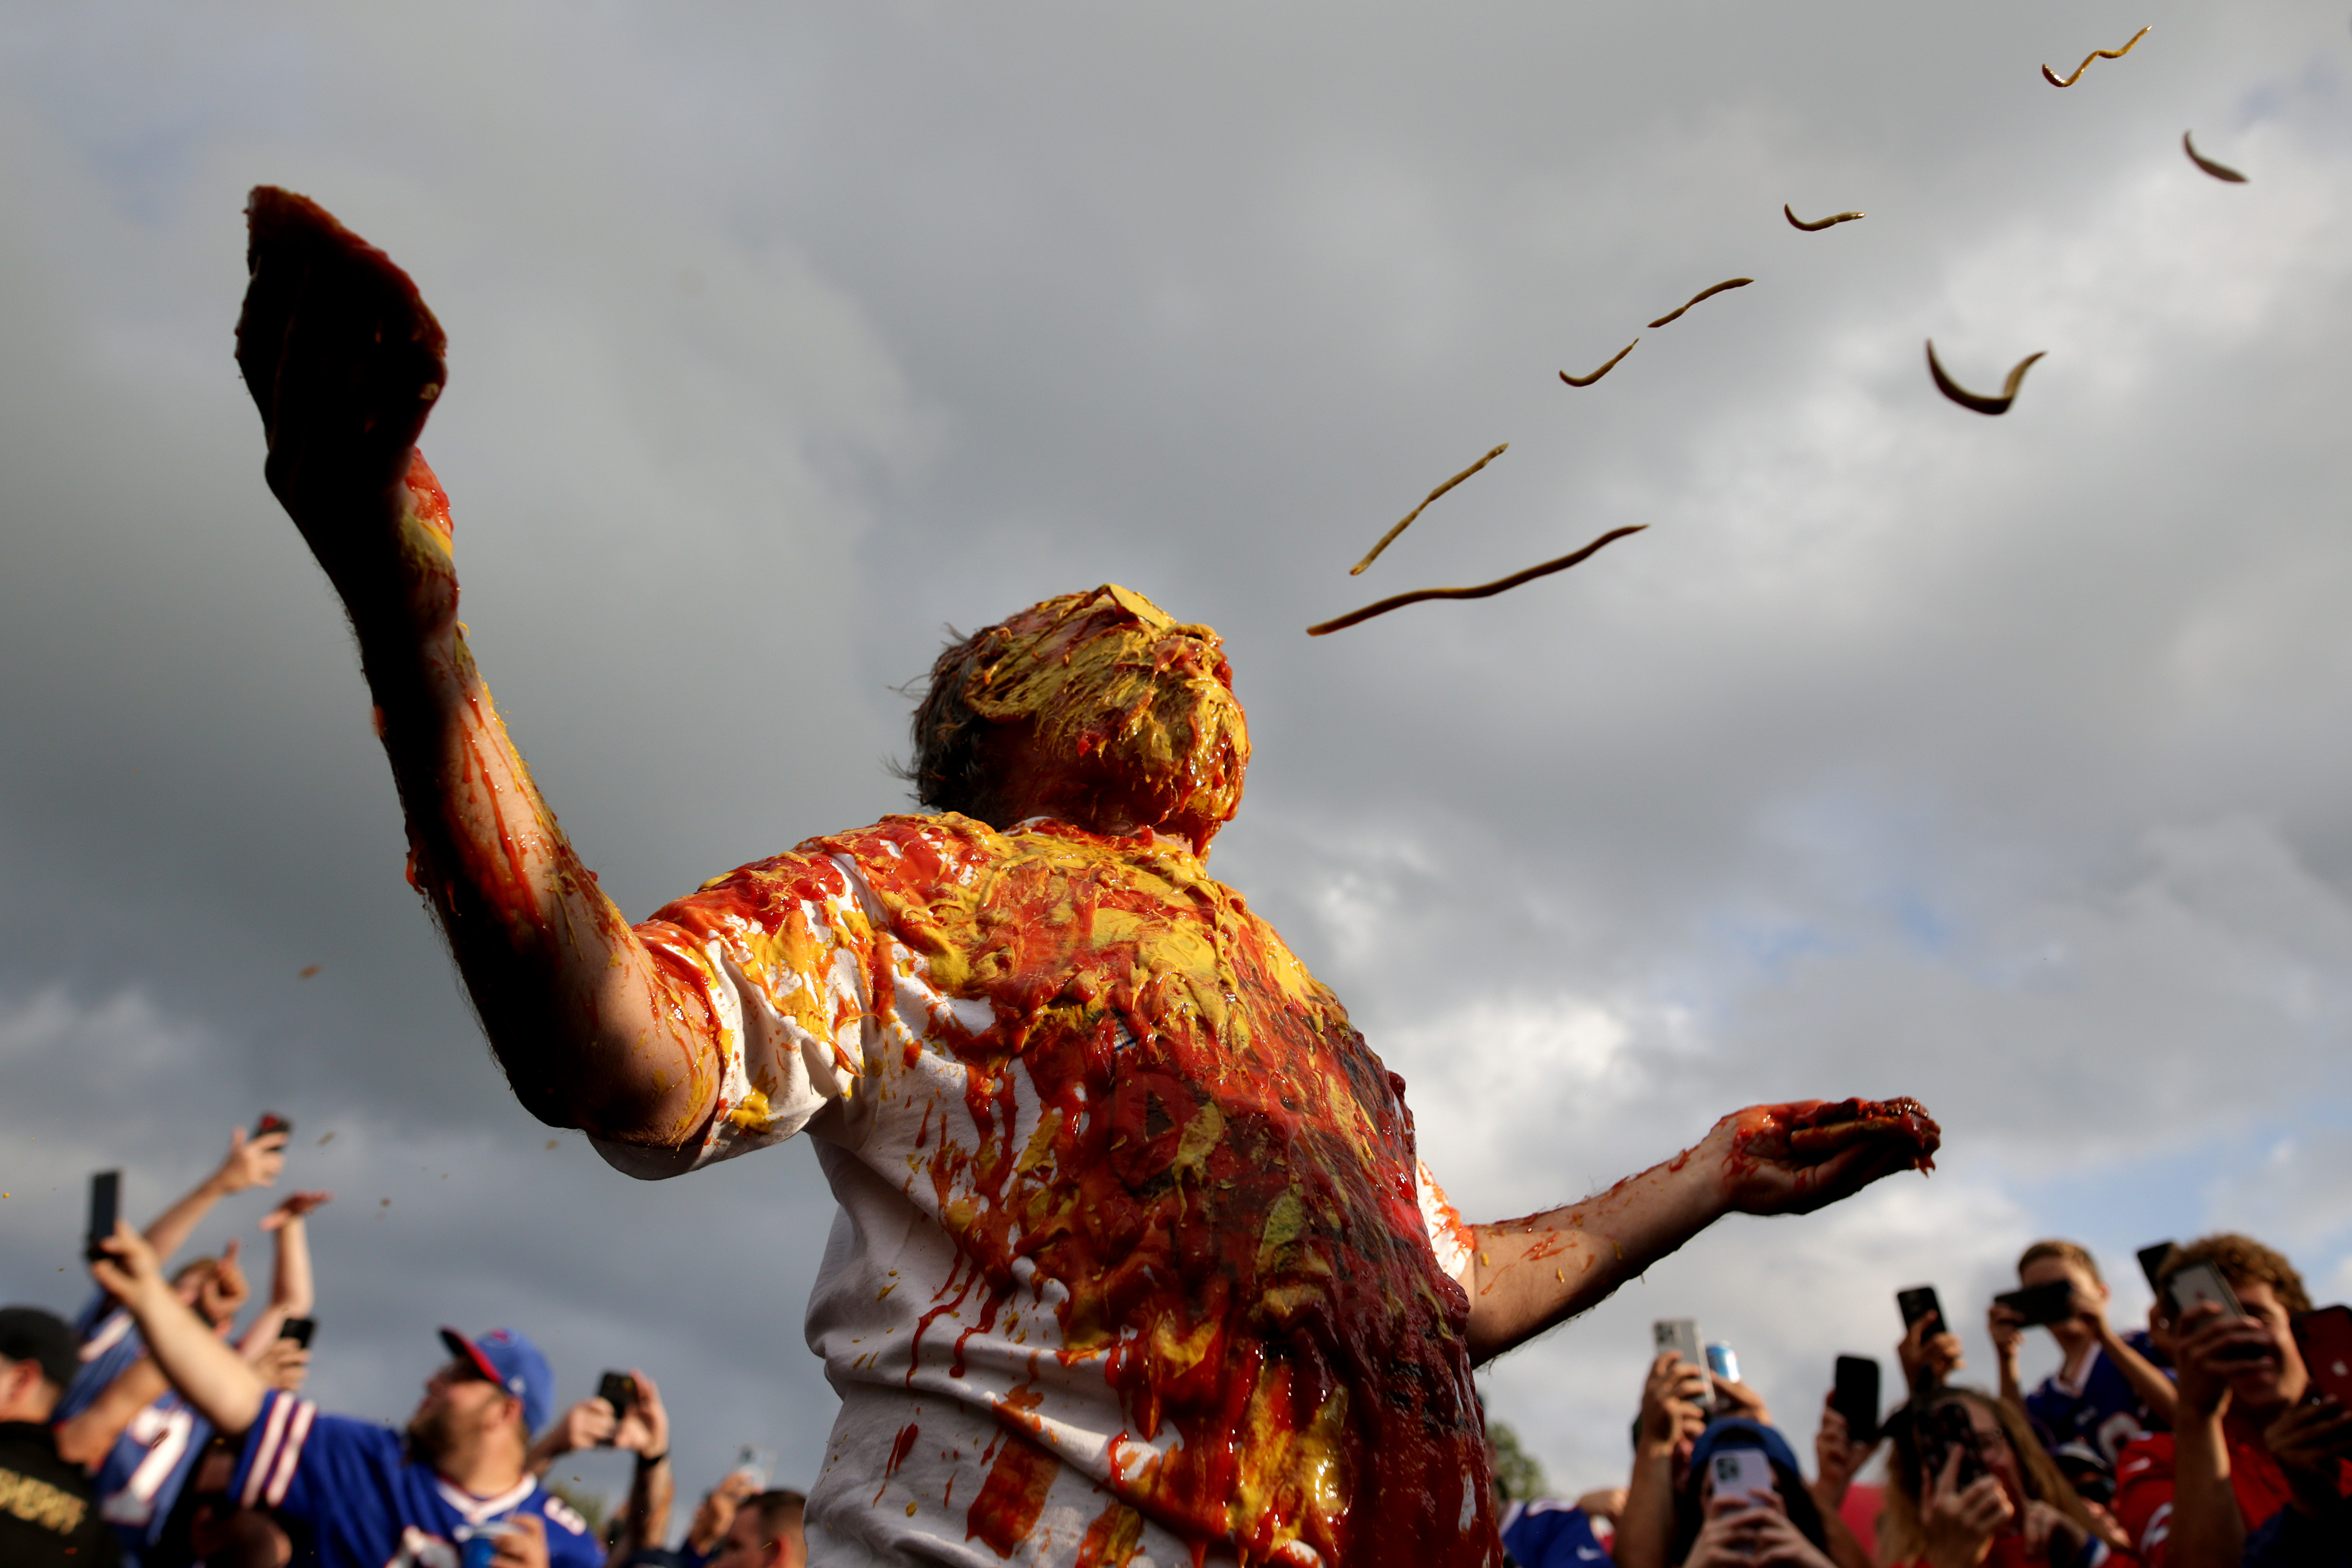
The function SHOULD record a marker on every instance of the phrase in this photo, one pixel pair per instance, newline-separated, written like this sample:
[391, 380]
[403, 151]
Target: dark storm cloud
[1909, 751]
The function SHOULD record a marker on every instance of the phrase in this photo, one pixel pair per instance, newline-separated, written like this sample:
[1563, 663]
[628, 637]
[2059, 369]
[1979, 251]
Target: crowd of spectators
[2215, 1437]
[153, 1431]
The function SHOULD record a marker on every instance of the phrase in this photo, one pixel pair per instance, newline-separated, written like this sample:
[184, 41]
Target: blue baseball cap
[514, 1364]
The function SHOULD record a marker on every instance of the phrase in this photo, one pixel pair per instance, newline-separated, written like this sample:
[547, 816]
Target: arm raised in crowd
[1670, 1419]
[1543, 1270]
[344, 361]
[215, 1295]
[251, 1162]
[209, 1374]
[292, 1290]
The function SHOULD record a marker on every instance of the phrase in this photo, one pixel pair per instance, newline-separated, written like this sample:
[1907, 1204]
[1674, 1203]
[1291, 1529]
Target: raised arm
[344, 361]
[1533, 1272]
[254, 1162]
[292, 1294]
[208, 1374]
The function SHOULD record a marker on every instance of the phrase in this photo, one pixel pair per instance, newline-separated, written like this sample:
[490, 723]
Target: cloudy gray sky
[1996, 761]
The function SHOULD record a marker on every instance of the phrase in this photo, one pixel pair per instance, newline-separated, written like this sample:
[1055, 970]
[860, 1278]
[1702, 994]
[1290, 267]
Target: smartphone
[1941, 1429]
[2151, 1264]
[298, 1330]
[1921, 1302]
[2326, 1339]
[2052, 1302]
[2199, 1283]
[1680, 1336]
[619, 1390]
[1741, 1473]
[1855, 1396]
[756, 1463]
[1723, 1361]
[271, 1122]
[105, 1208]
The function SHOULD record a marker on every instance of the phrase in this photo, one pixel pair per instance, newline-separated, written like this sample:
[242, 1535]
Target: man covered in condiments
[1135, 1261]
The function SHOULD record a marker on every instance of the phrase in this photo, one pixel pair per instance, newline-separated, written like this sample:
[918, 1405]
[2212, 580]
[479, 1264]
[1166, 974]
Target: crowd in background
[153, 1431]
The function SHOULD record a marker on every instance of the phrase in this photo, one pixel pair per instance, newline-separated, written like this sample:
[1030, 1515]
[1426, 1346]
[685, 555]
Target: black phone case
[1921, 1302]
[619, 1390]
[105, 1207]
[1855, 1396]
[2052, 1302]
[2151, 1265]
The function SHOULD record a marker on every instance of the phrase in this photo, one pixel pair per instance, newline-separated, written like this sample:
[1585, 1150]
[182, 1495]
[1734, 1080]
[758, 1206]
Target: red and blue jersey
[369, 1505]
[1549, 1534]
[150, 1461]
[2098, 1409]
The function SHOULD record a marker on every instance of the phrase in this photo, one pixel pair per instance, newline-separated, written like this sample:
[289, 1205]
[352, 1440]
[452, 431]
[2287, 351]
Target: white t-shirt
[1134, 1260]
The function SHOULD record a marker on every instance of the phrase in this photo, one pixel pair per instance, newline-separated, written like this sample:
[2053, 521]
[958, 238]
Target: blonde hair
[2072, 1252]
[1901, 1539]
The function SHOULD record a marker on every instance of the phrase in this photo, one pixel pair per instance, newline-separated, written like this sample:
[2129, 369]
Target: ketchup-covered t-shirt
[1135, 1260]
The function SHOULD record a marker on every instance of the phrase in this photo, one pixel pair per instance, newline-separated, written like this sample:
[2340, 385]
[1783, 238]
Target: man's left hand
[1762, 1175]
[2308, 1441]
[524, 1544]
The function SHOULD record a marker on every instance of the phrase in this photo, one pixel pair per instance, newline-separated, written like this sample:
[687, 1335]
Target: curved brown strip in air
[1374, 553]
[1588, 381]
[1702, 293]
[1485, 590]
[1967, 398]
[2052, 76]
[1825, 222]
[2219, 171]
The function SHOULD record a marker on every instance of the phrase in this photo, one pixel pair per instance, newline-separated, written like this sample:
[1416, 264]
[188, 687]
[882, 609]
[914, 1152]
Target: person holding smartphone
[1666, 1432]
[2106, 1391]
[1744, 1503]
[2258, 1466]
[1970, 1486]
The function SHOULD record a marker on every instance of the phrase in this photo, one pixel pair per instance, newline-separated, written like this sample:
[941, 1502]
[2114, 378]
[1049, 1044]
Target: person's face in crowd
[748, 1544]
[2270, 1381]
[461, 1408]
[2000, 1459]
[2071, 1332]
[25, 1394]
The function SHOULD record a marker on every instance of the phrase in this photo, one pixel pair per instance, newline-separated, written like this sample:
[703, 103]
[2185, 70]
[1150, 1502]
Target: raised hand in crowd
[715, 1515]
[1928, 1347]
[1958, 1523]
[224, 1290]
[1670, 1422]
[1838, 1458]
[250, 1162]
[292, 1291]
[282, 1363]
[1727, 1540]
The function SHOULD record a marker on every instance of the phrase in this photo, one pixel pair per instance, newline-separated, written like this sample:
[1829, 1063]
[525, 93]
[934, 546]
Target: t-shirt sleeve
[782, 961]
[302, 1461]
[1449, 1237]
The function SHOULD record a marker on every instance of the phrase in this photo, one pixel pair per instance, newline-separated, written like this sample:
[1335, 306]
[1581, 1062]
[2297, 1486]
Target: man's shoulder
[29, 1450]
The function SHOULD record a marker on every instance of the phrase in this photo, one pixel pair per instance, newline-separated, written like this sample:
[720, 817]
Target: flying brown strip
[2219, 171]
[1485, 590]
[1967, 398]
[1374, 553]
[1825, 222]
[1702, 293]
[1588, 381]
[2052, 76]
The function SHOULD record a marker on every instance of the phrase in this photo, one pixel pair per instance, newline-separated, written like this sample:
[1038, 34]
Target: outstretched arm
[1533, 1272]
[208, 1374]
[344, 361]
[254, 1162]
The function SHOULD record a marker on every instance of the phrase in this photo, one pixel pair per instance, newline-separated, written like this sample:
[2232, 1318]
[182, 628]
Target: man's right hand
[2007, 1327]
[224, 1290]
[251, 1162]
[129, 1271]
[716, 1515]
[283, 1365]
[2206, 1344]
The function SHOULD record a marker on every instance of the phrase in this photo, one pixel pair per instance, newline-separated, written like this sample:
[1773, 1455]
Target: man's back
[1116, 1172]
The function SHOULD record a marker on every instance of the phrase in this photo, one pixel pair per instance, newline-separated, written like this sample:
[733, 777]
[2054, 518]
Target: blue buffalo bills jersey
[2099, 1410]
[1549, 1533]
[372, 1506]
[150, 1461]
